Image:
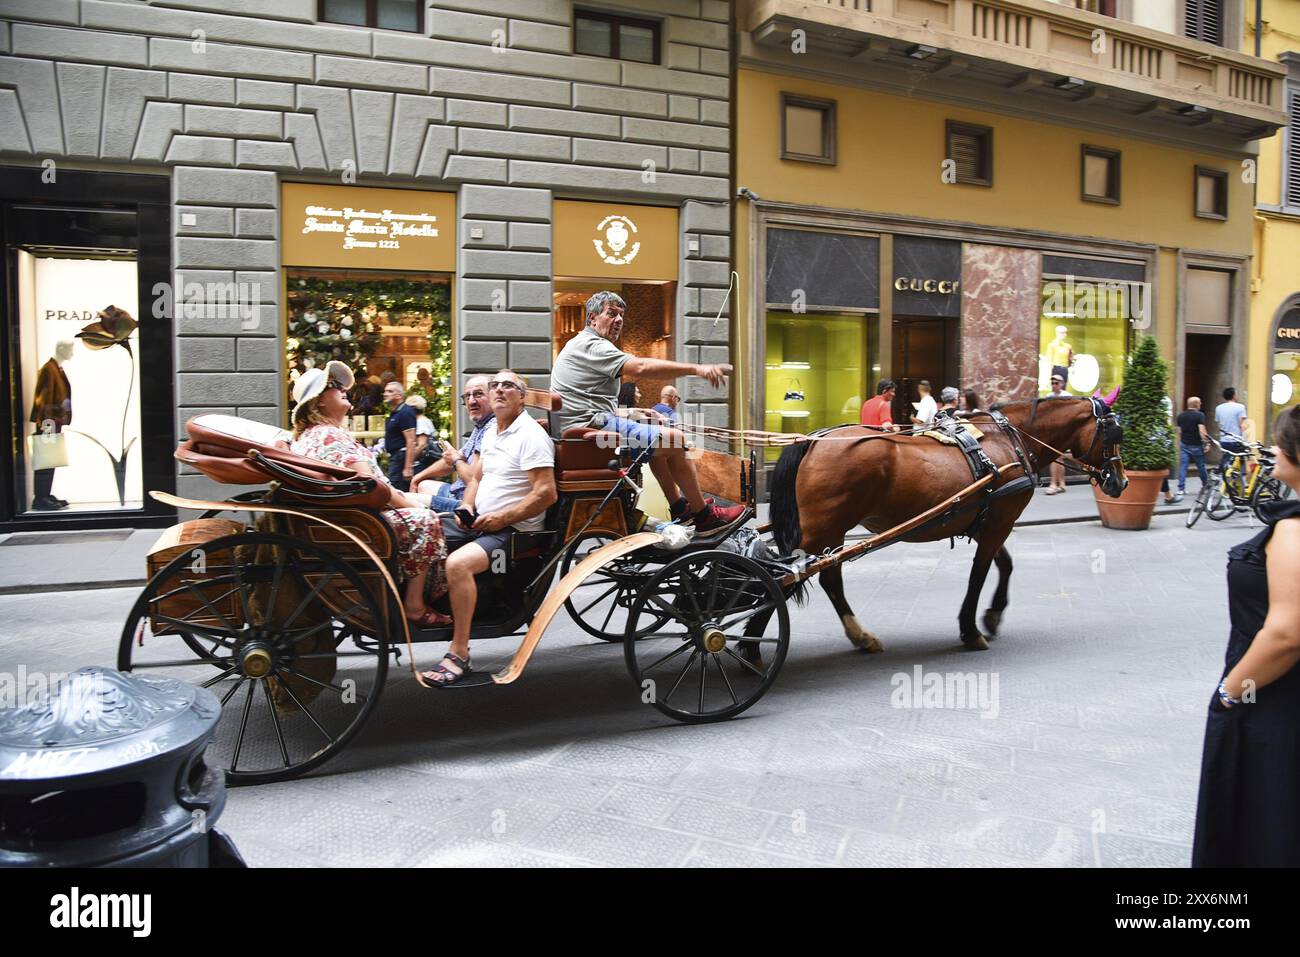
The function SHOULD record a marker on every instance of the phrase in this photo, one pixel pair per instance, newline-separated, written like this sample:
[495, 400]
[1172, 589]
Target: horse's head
[1104, 452]
[1087, 429]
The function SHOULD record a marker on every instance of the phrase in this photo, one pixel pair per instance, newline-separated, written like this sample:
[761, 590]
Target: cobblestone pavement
[1106, 662]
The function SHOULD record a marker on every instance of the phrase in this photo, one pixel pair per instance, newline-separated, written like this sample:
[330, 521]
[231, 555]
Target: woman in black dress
[1248, 813]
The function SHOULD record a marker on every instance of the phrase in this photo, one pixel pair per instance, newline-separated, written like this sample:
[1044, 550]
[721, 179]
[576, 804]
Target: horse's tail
[783, 509]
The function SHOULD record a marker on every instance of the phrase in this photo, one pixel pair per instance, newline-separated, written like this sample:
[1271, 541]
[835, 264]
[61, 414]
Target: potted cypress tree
[1148, 439]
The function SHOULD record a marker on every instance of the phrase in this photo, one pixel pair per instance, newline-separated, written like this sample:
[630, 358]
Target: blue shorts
[636, 434]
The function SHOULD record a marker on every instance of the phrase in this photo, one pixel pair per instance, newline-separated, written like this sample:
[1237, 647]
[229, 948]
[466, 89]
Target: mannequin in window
[51, 402]
[1060, 354]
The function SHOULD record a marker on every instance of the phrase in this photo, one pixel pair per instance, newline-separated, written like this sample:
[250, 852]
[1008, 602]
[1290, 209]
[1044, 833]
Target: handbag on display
[49, 451]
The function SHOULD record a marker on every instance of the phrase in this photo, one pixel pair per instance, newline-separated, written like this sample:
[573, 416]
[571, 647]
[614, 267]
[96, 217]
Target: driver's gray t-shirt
[586, 374]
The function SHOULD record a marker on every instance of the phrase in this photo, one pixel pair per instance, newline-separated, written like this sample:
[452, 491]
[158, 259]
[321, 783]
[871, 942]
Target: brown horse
[852, 475]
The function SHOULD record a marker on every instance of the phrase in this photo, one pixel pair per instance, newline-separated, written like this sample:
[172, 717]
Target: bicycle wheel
[1268, 490]
[1221, 503]
[1198, 507]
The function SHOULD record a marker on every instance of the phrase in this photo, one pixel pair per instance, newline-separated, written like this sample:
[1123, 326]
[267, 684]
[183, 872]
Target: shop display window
[647, 322]
[1084, 332]
[79, 372]
[383, 325]
[1285, 386]
[815, 372]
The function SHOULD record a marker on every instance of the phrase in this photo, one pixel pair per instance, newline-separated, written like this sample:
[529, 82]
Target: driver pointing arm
[586, 375]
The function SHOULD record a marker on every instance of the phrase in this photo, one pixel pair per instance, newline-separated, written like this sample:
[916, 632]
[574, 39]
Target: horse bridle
[1109, 434]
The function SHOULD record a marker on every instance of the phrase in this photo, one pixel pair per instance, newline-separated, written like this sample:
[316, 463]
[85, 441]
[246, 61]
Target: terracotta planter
[1133, 509]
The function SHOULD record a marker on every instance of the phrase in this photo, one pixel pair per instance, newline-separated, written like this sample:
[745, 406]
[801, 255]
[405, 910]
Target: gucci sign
[944, 287]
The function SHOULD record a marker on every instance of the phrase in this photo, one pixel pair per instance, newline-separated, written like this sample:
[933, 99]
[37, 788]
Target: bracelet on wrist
[1227, 699]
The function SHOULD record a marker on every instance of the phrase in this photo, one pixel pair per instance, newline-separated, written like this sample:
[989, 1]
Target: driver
[586, 375]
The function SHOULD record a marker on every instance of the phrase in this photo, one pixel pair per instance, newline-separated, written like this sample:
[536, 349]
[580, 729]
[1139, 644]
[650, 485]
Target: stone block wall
[234, 97]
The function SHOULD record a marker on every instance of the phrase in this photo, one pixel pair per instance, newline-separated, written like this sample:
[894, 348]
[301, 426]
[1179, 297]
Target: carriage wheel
[291, 631]
[601, 603]
[724, 641]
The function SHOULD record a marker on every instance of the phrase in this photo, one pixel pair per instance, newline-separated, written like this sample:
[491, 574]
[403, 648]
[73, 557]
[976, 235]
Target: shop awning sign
[365, 228]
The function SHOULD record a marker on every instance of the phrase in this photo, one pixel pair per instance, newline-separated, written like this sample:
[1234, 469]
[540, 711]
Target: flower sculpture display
[113, 327]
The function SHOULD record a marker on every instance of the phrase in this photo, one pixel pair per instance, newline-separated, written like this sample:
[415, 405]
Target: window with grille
[1291, 148]
[405, 15]
[1203, 20]
[1211, 193]
[970, 148]
[807, 129]
[1101, 175]
[616, 37]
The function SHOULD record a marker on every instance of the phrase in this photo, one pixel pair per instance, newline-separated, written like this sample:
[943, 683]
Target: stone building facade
[231, 99]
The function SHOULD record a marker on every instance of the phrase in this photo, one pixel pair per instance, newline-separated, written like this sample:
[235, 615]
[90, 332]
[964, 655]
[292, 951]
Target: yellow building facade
[983, 206]
[1274, 353]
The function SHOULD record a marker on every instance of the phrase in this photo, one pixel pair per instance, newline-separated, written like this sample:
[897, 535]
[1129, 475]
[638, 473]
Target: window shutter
[966, 154]
[1203, 20]
[1291, 161]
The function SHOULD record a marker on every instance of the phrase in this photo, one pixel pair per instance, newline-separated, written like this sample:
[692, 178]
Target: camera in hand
[465, 517]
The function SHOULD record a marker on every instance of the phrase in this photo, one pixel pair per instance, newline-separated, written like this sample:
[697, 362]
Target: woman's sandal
[431, 619]
[442, 676]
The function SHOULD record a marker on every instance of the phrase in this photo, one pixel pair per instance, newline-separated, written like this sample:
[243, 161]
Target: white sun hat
[315, 381]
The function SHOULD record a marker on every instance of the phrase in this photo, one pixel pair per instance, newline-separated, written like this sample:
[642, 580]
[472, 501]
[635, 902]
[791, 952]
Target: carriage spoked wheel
[600, 605]
[296, 637]
[724, 640]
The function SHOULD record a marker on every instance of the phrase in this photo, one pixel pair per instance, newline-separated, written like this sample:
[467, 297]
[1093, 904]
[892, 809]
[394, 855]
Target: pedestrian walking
[948, 403]
[876, 411]
[1057, 469]
[399, 437]
[1193, 441]
[1250, 764]
[926, 407]
[1231, 418]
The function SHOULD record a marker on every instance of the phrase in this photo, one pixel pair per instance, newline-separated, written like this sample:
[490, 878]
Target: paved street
[1107, 658]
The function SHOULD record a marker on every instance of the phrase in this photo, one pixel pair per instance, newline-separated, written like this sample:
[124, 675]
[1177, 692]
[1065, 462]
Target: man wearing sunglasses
[510, 488]
[586, 375]
[460, 463]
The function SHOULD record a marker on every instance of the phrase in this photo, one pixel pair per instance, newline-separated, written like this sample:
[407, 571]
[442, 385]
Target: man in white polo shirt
[512, 486]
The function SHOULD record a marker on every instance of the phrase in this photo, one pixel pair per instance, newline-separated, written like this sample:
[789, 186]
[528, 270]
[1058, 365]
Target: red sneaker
[715, 516]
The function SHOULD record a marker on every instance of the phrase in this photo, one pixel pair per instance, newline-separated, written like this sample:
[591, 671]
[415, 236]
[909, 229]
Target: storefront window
[384, 326]
[1285, 385]
[79, 372]
[816, 371]
[1084, 333]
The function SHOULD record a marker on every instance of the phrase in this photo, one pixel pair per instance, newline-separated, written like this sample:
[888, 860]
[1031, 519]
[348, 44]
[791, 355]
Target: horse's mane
[999, 406]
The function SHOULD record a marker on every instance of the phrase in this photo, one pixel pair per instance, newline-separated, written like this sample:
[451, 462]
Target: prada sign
[945, 287]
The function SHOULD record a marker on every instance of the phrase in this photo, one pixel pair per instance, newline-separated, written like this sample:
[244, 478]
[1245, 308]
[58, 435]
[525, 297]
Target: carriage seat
[237, 451]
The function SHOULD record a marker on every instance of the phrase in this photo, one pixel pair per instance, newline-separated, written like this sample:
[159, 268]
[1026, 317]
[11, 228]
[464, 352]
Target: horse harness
[981, 465]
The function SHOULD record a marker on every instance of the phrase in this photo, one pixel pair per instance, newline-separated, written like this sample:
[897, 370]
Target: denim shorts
[636, 435]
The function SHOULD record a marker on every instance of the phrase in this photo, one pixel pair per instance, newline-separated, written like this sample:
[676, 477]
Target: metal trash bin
[106, 769]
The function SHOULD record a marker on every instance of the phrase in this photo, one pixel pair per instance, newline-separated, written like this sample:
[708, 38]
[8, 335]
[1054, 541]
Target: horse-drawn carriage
[291, 613]
[285, 602]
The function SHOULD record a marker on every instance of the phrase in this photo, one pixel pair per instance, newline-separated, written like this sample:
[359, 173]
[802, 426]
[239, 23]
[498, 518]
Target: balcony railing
[1048, 39]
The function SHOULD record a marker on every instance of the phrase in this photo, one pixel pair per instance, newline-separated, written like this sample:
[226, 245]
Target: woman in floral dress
[318, 433]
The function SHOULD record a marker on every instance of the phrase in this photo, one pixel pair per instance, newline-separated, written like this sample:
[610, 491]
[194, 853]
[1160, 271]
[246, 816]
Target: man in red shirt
[876, 411]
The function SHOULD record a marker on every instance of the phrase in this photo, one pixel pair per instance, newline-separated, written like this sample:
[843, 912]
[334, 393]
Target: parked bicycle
[1243, 480]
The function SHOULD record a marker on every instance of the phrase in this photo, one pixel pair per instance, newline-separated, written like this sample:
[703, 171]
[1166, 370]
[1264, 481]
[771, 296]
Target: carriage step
[475, 679]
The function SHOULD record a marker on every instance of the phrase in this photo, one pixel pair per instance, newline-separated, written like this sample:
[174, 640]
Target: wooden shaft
[889, 535]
